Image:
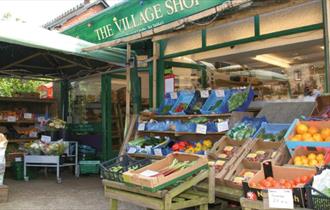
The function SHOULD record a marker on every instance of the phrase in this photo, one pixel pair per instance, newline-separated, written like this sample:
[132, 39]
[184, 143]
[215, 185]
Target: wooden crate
[3, 193]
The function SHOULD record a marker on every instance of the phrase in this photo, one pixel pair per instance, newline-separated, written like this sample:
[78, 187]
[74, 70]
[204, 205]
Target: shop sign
[135, 16]
[85, 128]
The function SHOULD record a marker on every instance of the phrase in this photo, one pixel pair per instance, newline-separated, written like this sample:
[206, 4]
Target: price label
[200, 128]
[27, 115]
[18, 159]
[280, 198]
[46, 139]
[11, 118]
[158, 152]
[33, 134]
[174, 95]
[205, 94]
[222, 126]
[220, 93]
[41, 119]
[141, 127]
[131, 150]
[148, 149]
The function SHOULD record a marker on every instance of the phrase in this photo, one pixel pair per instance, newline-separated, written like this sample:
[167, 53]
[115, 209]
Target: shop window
[184, 42]
[293, 17]
[85, 102]
[230, 32]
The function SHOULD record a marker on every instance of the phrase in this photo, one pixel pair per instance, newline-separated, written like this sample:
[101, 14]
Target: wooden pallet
[182, 196]
[257, 205]
[3, 193]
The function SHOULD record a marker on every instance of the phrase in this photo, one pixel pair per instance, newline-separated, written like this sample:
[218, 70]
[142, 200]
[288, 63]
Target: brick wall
[91, 11]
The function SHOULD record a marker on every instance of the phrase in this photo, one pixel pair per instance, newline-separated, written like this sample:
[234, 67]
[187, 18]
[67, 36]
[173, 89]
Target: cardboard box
[238, 170]
[278, 172]
[270, 150]
[305, 151]
[155, 183]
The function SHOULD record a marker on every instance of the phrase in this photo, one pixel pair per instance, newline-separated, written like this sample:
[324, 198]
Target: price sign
[27, 115]
[280, 199]
[205, 94]
[33, 134]
[141, 127]
[41, 119]
[131, 150]
[220, 93]
[200, 128]
[46, 139]
[149, 173]
[174, 95]
[158, 152]
[11, 118]
[222, 126]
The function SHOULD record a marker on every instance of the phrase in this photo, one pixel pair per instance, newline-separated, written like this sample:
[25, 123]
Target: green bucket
[17, 169]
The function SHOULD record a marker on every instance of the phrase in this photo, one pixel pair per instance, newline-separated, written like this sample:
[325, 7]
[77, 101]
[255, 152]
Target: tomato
[287, 185]
[267, 184]
[262, 182]
[282, 181]
[253, 184]
[304, 179]
[291, 182]
[275, 184]
[270, 179]
[297, 180]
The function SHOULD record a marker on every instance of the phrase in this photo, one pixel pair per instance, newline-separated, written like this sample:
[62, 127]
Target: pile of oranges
[311, 159]
[311, 133]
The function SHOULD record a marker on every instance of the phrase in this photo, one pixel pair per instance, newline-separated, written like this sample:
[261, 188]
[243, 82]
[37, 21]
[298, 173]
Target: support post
[128, 88]
[154, 72]
[64, 98]
[151, 78]
[106, 117]
[326, 22]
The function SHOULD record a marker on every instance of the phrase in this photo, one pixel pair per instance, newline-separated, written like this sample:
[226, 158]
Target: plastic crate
[212, 100]
[246, 103]
[317, 200]
[114, 168]
[294, 144]
[185, 97]
[166, 106]
[271, 128]
[89, 166]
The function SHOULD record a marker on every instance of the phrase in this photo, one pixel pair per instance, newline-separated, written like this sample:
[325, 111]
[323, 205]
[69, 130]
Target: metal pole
[128, 88]
[326, 22]
[154, 73]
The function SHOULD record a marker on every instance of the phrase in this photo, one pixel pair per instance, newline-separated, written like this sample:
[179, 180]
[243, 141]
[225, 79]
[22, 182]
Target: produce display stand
[248, 204]
[52, 161]
[184, 195]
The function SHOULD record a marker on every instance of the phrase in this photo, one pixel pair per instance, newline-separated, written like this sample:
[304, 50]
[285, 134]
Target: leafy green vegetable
[237, 99]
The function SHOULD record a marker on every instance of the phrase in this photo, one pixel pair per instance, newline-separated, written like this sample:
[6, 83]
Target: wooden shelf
[20, 122]
[32, 100]
[21, 140]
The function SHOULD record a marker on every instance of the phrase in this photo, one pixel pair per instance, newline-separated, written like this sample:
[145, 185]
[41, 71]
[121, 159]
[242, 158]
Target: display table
[248, 204]
[52, 161]
[182, 196]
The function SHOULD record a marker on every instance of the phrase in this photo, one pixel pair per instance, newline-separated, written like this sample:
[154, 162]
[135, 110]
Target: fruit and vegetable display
[216, 105]
[42, 148]
[310, 160]
[262, 134]
[181, 107]
[321, 182]
[175, 166]
[217, 164]
[272, 183]
[260, 155]
[326, 113]
[193, 147]
[245, 129]
[303, 132]
[244, 175]
[237, 99]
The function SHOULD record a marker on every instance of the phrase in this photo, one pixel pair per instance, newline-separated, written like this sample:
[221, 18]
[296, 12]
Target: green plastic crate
[89, 166]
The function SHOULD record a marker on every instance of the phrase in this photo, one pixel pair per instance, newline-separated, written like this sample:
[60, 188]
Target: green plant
[8, 86]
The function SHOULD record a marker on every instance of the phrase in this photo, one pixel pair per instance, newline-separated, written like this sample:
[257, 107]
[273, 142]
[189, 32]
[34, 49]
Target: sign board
[86, 128]
[280, 199]
[135, 16]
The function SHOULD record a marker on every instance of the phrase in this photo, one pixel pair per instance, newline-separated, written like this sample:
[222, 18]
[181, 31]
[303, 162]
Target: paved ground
[85, 193]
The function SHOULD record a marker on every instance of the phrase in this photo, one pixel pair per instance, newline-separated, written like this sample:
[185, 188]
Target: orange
[317, 137]
[311, 156]
[313, 130]
[313, 163]
[307, 137]
[297, 137]
[327, 139]
[301, 128]
[319, 157]
[304, 161]
[321, 163]
[325, 133]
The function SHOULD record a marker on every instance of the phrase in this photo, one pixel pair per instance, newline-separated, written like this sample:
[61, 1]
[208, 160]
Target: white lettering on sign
[200, 128]
[146, 16]
[280, 198]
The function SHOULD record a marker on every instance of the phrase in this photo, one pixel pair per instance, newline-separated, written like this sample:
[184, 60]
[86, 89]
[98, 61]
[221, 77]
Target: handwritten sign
[200, 128]
[220, 93]
[222, 126]
[11, 118]
[141, 127]
[174, 95]
[46, 139]
[205, 94]
[27, 115]
[280, 198]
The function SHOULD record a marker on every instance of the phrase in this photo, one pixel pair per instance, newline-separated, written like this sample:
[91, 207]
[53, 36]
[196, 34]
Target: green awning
[36, 52]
